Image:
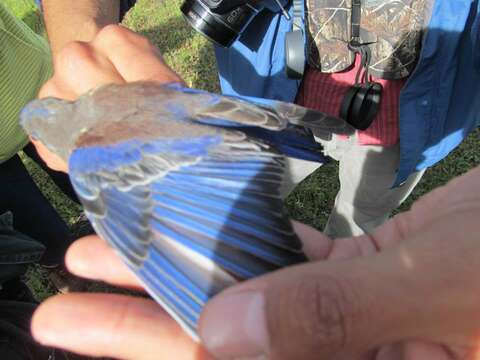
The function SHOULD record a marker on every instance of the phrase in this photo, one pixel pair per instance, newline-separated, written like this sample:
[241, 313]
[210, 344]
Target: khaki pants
[366, 197]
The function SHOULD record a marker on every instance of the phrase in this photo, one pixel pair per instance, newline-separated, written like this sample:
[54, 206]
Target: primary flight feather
[184, 184]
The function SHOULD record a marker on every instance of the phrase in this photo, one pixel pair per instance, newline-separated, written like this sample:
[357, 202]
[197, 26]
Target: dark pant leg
[16, 341]
[33, 215]
[125, 5]
[59, 178]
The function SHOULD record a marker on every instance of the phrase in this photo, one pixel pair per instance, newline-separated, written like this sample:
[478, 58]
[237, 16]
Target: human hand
[110, 325]
[421, 287]
[415, 279]
[115, 55]
[124, 327]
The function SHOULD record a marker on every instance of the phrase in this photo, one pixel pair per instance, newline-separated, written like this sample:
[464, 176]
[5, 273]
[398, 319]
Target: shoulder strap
[355, 23]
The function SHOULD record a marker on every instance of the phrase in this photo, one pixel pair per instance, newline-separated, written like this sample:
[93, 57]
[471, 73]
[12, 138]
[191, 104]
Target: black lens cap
[361, 104]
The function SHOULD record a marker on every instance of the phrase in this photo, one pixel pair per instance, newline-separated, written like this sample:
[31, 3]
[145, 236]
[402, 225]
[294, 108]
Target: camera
[221, 21]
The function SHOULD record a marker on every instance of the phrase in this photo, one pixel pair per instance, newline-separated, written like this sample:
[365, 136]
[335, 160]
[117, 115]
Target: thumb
[422, 288]
[323, 310]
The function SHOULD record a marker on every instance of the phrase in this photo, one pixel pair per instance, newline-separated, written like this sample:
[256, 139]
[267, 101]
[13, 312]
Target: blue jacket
[439, 105]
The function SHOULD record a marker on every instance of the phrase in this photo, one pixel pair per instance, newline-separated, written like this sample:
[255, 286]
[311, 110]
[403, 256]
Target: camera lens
[222, 29]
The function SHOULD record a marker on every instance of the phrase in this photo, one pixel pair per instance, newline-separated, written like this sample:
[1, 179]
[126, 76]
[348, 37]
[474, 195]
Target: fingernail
[234, 326]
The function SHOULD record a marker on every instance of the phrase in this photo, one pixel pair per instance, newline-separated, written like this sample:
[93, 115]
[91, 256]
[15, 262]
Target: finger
[78, 69]
[415, 350]
[438, 203]
[112, 326]
[133, 55]
[92, 258]
[51, 89]
[316, 245]
[459, 195]
[52, 160]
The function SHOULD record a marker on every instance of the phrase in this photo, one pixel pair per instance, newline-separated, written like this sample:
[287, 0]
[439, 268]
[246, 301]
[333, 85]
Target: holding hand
[115, 55]
[414, 279]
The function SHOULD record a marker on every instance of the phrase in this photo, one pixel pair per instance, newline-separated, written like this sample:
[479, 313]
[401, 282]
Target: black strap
[355, 44]
[355, 22]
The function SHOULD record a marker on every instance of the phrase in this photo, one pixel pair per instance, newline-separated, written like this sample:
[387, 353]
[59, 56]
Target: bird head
[51, 122]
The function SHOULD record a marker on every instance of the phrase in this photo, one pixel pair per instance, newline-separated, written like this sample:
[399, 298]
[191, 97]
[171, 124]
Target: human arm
[79, 20]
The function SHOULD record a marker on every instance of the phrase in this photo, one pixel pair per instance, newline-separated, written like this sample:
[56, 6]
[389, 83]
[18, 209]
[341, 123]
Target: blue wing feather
[189, 229]
[214, 224]
[162, 265]
[183, 309]
[242, 264]
[217, 205]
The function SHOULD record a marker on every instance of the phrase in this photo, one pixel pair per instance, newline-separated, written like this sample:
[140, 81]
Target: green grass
[192, 57]
[39, 283]
[28, 12]
[186, 51]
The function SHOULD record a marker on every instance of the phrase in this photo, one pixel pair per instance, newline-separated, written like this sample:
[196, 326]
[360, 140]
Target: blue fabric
[255, 64]
[439, 106]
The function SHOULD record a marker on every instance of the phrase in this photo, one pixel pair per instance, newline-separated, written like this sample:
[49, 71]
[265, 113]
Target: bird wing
[190, 219]
[214, 109]
[234, 111]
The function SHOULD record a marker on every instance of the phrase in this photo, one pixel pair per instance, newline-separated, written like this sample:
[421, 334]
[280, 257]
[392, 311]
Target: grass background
[192, 57]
